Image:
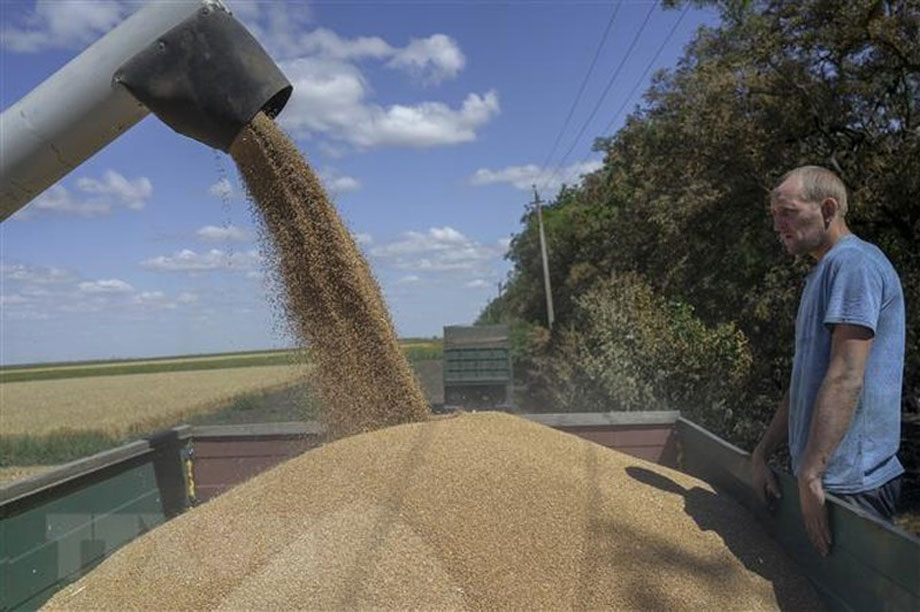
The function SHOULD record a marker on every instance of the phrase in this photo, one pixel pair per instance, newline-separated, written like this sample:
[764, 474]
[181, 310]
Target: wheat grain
[477, 512]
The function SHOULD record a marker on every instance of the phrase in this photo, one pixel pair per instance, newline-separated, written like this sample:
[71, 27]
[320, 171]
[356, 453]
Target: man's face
[800, 224]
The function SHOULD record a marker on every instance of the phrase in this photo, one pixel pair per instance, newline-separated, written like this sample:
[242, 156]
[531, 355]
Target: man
[842, 411]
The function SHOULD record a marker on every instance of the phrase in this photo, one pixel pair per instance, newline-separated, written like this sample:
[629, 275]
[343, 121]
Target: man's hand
[834, 407]
[814, 512]
[765, 484]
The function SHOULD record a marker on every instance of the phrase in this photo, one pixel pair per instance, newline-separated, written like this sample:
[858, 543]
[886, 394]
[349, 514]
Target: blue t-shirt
[853, 283]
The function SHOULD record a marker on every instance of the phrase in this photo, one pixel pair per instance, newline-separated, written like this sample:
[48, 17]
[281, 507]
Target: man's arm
[777, 432]
[833, 411]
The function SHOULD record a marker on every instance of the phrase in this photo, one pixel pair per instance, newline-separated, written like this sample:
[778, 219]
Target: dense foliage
[670, 287]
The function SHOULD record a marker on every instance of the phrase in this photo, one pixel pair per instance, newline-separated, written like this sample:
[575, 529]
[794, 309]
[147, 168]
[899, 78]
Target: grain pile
[481, 511]
[330, 297]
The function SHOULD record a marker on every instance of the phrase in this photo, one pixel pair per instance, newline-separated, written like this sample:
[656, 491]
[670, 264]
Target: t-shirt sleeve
[855, 294]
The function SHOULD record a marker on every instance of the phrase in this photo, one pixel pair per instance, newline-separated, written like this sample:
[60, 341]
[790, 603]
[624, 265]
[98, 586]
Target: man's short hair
[819, 183]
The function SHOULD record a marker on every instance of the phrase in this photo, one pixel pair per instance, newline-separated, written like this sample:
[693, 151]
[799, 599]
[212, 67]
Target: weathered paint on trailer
[60, 524]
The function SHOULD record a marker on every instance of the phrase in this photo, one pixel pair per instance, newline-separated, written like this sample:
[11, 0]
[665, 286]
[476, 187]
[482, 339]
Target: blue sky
[428, 122]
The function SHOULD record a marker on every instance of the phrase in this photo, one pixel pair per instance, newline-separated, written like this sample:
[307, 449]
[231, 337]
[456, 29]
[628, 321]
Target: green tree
[681, 200]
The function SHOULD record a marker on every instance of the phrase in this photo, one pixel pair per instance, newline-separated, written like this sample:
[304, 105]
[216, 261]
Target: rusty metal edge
[600, 419]
[291, 428]
[560, 419]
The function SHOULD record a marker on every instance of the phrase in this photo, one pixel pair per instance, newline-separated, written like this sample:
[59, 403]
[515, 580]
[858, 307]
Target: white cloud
[362, 238]
[154, 299]
[13, 299]
[331, 94]
[280, 28]
[504, 243]
[221, 189]
[477, 284]
[187, 260]
[58, 198]
[34, 290]
[26, 315]
[97, 197]
[343, 184]
[327, 95]
[79, 306]
[231, 233]
[524, 177]
[425, 124]
[408, 280]
[447, 234]
[34, 293]
[336, 183]
[55, 24]
[330, 99]
[34, 274]
[113, 285]
[326, 43]
[132, 194]
[433, 59]
[441, 249]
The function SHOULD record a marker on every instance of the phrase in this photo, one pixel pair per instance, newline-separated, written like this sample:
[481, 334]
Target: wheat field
[253, 356]
[126, 404]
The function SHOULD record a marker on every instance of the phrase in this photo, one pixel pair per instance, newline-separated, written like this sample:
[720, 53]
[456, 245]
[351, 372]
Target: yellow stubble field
[125, 404]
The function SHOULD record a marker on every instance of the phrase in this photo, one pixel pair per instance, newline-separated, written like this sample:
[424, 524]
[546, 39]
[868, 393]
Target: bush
[627, 348]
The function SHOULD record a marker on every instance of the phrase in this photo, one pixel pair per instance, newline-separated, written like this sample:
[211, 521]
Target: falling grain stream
[330, 297]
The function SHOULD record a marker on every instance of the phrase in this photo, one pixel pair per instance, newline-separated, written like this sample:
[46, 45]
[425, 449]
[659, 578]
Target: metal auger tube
[188, 61]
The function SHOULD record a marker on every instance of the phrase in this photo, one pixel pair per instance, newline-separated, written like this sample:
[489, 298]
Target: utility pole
[549, 292]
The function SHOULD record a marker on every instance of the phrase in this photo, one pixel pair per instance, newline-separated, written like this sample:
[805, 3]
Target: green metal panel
[872, 565]
[58, 540]
[471, 365]
[477, 366]
[54, 531]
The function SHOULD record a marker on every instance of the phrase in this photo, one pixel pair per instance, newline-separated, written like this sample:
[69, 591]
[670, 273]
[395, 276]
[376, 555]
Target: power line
[648, 67]
[641, 79]
[603, 95]
[584, 82]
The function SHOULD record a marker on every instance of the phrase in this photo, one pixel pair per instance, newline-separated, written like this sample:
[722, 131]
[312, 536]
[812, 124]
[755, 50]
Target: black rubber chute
[206, 78]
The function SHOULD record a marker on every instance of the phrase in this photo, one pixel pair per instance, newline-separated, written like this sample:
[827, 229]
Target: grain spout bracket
[206, 78]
